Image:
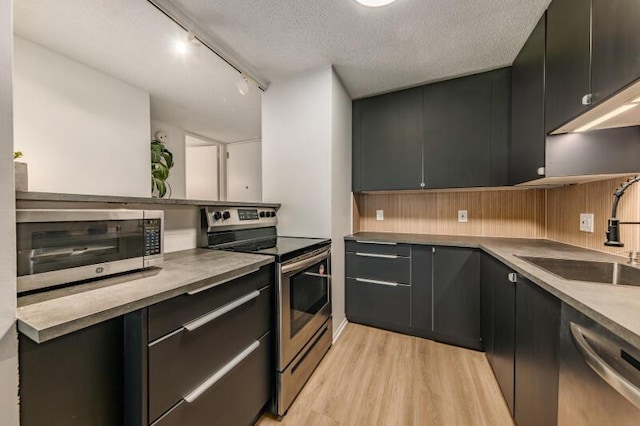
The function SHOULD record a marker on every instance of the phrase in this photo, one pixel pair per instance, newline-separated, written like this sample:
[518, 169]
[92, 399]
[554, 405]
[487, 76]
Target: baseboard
[339, 330]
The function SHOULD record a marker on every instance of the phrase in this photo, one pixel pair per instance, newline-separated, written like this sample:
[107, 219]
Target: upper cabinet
[568, 60]
[593, 51]
[615, 46]
[527, 153]
[387, 139]
[450, 134]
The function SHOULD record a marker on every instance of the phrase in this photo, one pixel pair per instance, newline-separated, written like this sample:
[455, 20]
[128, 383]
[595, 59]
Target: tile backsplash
[531, 213]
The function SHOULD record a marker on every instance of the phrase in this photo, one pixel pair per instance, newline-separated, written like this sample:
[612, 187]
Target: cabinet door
[504, 302]
[500, 126]
[456, 296]
[356, 145]
[537, 362]
[616, 46]
[487, 283]
[421, 288]
[568, 60]
[457, 132]
[527, 109]
[391, 138]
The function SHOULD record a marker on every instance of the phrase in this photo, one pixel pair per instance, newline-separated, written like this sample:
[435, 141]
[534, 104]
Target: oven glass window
[309, 293]
[46, 247]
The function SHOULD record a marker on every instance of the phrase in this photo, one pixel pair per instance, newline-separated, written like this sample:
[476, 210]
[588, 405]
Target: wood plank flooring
[376, 377]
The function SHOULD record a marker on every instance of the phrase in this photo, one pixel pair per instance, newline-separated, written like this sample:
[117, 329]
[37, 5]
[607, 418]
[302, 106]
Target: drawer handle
[199, 322]
[382, 243]
[221, 373]
[383, 256]
[217, 283]
[390, 284]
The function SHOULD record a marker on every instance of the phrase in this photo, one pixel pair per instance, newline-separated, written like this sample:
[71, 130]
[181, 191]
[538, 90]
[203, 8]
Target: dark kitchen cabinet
[527, 153]
[390, 141]
[422, 288]
[449, 134]
[615, 46]
[456, 296]
[76, 379]
[498, 324]
[537, 355]
[568, 60]
[457, 132]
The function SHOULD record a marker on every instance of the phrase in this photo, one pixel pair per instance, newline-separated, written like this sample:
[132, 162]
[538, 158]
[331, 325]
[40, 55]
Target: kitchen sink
[585, 270]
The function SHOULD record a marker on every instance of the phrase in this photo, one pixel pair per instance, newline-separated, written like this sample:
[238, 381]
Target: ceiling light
[375, 3]
[243, 85]
[187, 44]
[606, 117]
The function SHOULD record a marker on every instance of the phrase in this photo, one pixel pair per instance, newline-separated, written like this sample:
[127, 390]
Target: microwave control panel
[152, 243]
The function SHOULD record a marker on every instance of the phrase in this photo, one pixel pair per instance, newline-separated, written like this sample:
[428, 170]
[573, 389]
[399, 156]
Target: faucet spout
[613, 228]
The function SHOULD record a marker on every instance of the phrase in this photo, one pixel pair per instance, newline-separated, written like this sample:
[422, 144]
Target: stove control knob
[263, 214]
[272, 214]
[217, 216]
[226, 215]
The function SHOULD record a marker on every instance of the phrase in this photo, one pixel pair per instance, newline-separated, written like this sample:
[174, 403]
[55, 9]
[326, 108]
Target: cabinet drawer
[170, 315]
[182, 360]
[236, 398]
[377, 304]
[375, 247]
[373, 266]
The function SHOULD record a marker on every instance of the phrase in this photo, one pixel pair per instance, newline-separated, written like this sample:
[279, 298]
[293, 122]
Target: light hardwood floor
[376, 377]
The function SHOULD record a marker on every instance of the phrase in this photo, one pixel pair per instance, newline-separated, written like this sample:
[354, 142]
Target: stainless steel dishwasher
[599, 375]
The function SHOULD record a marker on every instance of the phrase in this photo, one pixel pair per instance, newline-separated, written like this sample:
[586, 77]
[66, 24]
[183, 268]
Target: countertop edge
[49, 333]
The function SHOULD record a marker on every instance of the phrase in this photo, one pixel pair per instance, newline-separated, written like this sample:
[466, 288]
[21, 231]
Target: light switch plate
[463, 217]
[379, 214]
[586, 222]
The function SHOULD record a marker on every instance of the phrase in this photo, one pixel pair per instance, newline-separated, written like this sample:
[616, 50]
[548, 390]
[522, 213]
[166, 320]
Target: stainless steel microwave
[59, 246]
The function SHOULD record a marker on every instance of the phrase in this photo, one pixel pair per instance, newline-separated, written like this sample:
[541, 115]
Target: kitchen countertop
[47, 315]
[617, 308]
[28, 196]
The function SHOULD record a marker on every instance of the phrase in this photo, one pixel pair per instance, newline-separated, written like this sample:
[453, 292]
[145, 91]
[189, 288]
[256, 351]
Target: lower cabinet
[537, 365]
[498, 324]
[426, 291]
[456, 296]
[202, 358]
[520, 333]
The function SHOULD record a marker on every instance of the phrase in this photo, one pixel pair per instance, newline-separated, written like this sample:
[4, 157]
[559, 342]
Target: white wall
[175, 144]
[244, 171]
[81, 131]
[8, 341]
[296, 153]
[306, 164]
[340, 192]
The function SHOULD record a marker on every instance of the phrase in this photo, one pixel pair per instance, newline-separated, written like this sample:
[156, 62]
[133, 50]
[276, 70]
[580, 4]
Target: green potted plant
[161, 164]
[21, 172]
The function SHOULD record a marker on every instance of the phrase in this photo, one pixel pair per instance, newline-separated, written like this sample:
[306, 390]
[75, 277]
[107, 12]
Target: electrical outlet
[586, 222]
[463, 217]
[379, 214]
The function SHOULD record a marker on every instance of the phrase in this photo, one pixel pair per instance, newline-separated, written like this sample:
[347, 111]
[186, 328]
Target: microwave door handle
[72, 252]
[304, 263]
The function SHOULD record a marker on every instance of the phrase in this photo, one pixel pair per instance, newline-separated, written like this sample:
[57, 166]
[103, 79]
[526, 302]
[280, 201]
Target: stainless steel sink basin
[584, 270]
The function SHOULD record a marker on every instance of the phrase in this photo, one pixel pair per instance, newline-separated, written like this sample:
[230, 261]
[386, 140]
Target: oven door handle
[315, 274]
[302, 264]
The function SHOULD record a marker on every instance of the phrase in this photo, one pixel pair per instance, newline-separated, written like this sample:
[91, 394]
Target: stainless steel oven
[304, 321]
[60, 246]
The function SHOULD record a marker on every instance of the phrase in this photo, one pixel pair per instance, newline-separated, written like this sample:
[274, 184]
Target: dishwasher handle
[609, 374]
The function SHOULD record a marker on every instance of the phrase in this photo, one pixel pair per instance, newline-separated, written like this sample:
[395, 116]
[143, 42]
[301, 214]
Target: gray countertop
[160, 202]
[617, 308]
[45, 316]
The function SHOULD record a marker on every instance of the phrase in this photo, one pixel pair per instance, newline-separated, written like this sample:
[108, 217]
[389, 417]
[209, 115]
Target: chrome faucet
[613, 229]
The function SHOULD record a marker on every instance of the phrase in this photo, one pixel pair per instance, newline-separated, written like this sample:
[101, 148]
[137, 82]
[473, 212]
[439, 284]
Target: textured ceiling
[372, 49]
[134, 42]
